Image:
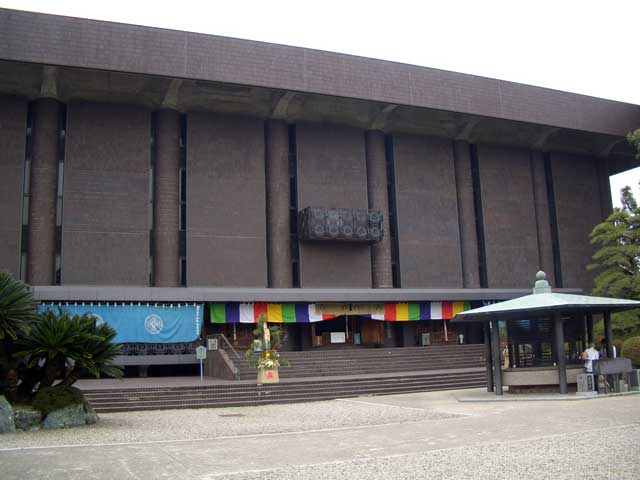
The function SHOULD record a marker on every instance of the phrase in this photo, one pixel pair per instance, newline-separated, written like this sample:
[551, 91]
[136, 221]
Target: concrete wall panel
[13, 131]
[226, 216]
[428, 230]
[511, 238]
[106, 209]
[332, 173]
[578, 210]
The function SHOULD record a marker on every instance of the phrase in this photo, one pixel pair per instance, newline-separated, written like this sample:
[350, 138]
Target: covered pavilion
[544, 305]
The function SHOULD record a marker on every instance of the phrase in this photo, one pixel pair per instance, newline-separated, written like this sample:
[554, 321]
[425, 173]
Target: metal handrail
[226, 342]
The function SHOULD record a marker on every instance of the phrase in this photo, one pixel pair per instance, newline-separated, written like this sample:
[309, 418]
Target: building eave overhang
[37, 38]
[272, 295]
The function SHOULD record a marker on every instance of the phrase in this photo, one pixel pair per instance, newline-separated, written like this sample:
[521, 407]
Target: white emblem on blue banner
[99, 319]
[153, 324]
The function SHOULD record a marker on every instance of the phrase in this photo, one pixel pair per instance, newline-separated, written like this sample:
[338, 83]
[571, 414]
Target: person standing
[589, 355]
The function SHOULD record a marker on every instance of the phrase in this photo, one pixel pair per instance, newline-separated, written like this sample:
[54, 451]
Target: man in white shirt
[589, 355]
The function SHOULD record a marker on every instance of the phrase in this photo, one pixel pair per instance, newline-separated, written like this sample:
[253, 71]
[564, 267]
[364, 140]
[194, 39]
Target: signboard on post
[201, 354]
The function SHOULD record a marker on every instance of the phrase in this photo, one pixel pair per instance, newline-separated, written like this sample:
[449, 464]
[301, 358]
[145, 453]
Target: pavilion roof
[545, 303]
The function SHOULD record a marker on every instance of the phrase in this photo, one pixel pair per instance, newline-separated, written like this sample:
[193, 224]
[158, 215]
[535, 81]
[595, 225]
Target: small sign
[212, 343]
[338, 337]
[201, 353]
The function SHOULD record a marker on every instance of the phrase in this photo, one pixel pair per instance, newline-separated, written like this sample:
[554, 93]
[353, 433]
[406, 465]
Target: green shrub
[631, 349]
[49, 399]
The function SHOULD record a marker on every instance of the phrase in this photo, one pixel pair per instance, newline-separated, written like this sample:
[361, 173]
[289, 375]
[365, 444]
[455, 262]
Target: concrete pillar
[543, 221]
[166, 199]
[43, 188]
[466, 216]
[278, 201]
[381, 276]
[495, 356]
[558, 341]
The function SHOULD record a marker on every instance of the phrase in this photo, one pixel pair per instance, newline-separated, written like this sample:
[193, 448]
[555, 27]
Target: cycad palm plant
[53, 339]
[58, 337]
[96, 354]
[17, 312]
[17, 307]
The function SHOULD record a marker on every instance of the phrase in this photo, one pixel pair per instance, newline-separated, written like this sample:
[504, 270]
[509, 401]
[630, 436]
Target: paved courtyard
[423, 435]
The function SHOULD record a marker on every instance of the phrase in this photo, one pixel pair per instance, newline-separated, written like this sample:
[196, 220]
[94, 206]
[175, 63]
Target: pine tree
[618, 257]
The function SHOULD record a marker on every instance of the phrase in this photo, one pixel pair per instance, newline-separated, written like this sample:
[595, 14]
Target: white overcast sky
[582, 46]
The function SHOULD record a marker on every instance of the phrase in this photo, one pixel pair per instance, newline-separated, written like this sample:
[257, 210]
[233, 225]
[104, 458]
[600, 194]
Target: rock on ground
[71, 416]
[27, 419]
[7, 422]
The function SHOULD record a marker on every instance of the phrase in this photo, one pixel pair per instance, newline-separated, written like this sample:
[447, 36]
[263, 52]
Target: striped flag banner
[307, 312]
[275, 313]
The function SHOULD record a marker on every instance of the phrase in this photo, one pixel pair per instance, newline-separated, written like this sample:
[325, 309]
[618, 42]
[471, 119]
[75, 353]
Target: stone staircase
[248, 394]
[363, 361]
[317, 375]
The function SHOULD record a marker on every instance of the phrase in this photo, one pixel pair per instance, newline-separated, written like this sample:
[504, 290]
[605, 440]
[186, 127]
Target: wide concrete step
[200, 397]
[300, 399]
[275, 389]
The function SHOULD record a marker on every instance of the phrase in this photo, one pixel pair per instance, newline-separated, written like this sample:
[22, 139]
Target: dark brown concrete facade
[486, 174]
[378, 195]
[106, 212]
[332, 173]
[43, 192]
[511, 238]
[428, 228]
[13, 133]
[166, 191]
[56, 40]
[226, 212]
[578, 208]
[543, 221]
[278, 203]
[466, 216]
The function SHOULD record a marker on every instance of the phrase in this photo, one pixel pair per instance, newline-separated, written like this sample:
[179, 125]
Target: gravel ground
[422, 435]
[615, 454]
[209, 423]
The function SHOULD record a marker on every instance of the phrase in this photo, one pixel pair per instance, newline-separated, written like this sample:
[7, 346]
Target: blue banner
[143, 324]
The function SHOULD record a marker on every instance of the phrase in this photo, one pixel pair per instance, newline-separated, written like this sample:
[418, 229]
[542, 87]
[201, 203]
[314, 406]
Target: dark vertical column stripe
[477, 205]
[393, 212]
[553, 219]
[293, 207]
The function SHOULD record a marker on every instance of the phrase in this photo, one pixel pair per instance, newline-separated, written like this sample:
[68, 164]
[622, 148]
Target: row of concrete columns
[43, 192]
[41, 251]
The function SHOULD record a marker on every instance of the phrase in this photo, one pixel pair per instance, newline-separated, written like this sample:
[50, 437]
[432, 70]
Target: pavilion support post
[589, 329]
[559, 349]
[487, 355]
[608, 332]
[495, 356]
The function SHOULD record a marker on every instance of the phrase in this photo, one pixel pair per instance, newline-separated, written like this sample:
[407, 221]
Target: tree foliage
[61, 346]
[631, 349]
[634, 139]
[618, 256]
[17, 307]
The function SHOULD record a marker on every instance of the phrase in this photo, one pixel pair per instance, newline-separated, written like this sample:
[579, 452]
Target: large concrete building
[147, 165]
